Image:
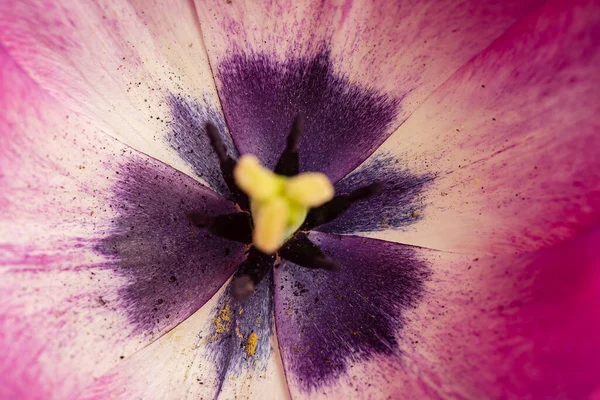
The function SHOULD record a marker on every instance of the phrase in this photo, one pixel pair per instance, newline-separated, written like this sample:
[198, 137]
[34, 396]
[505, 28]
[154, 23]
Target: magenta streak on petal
[524, 326]
[174, 267]
[344, 123]
[327, 320]
[346, 7]
[563, 319]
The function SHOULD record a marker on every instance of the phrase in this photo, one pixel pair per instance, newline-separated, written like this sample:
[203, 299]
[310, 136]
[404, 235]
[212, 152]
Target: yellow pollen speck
[279, 203]
[251, 344]
[222, 321]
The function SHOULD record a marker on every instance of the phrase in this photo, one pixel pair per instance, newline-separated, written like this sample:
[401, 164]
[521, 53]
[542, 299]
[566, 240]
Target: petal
[407, 322]
[398, 204]
[96, 257]
[355, 70]
[329, 321]
[511, 141]
[206, 356]
[139, 67]
[173, 266]
[522, 327]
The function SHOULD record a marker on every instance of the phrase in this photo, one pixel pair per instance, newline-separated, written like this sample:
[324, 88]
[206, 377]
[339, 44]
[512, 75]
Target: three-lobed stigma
[276, 209]
[279, 204]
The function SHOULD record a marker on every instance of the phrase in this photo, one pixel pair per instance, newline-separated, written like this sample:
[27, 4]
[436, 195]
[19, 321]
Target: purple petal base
[344, 123]
[228, 337]
[397, 205]
[187, 135]
[173, 267]
[328, 320]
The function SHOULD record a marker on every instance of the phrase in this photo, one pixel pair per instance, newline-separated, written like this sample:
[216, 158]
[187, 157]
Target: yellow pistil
[279, 203]
[270, 223]
[310, 189]
[256, 181]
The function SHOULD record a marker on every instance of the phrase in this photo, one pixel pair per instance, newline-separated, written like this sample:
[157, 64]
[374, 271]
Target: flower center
[279, 204]
[283, 204]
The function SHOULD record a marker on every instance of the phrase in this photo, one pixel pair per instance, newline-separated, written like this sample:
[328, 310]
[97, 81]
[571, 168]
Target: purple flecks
[187, 135]
[344, 123]
[398, 204]
[172, 267]
[233, 322]
[328, 321]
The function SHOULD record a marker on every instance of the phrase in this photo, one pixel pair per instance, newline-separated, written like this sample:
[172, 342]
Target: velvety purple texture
[173, 267]
[344, 123]
[397, 205]
[327, 321]
[187, 135]
[255, 314]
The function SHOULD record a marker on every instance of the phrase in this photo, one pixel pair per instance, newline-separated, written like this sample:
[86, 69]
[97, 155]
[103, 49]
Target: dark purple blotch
[398, 204]
[255, 314]
[187, 135]
[172, 267]
[328, 321]
[344, 122]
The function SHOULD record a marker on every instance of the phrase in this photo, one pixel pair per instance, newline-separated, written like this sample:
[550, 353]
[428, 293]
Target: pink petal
[523, 327]
[511, 139]
[138, 66]
[502, 327]
[355, 69]
[205, 356]
[96, 257]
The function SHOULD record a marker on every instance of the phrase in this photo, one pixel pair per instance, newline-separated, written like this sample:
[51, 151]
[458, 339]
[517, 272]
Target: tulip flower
[299, 199]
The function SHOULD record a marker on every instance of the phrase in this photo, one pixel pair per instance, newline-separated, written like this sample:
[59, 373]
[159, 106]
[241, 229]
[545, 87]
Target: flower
[472, 274]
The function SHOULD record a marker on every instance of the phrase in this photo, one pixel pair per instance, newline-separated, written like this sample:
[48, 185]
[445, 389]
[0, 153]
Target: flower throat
[277, 208]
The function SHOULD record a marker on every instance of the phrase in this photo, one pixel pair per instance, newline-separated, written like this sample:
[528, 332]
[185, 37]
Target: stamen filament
[337, 206]
[289, 164]
[227, 164]
[237, 227]
[301, 251]
[250, 273]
